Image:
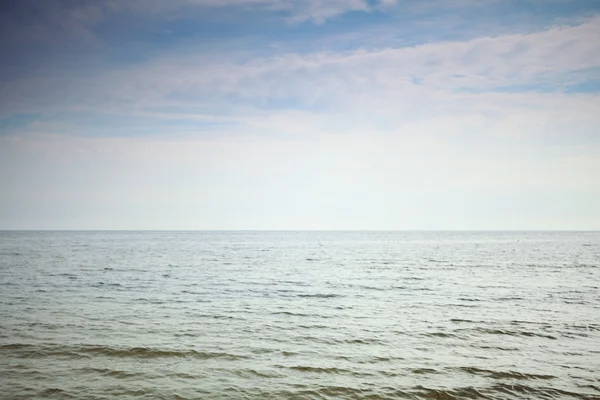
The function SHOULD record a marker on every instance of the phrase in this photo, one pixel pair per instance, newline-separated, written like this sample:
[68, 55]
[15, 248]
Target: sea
[299, 315]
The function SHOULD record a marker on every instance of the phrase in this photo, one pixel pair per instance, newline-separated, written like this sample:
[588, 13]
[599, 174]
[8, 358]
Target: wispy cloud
[296, 11]
[402, 81]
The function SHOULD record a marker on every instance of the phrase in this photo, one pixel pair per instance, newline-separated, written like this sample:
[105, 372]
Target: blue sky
[275, 114]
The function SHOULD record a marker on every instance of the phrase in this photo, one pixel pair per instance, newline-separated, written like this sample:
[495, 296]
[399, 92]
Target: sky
[300, 114]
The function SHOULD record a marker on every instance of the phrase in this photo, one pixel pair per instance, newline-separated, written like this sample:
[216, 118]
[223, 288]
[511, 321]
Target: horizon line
[299, 230]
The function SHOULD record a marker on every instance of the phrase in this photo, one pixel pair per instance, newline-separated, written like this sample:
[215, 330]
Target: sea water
[300, 315]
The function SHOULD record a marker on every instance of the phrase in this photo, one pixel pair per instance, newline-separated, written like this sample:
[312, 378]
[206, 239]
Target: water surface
[300, 315]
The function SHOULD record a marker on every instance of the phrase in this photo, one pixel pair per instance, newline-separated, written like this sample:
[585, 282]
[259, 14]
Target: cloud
[320, 11]
[53, 21]
[385, 90]
[316, 11]
[437, 74]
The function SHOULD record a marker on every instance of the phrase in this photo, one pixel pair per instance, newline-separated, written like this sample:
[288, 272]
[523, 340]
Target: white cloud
[319, 11]
[316, 11]
[378, 79]
[390, 91]
[385, 90]
[479, 64]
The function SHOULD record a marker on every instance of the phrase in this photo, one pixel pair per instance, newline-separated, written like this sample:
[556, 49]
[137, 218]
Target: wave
[425, 371]
[314, 327]
[252, 373]
[292, 314]
[497, 348]
[519, 390]
[505, 374]
[440, 334]
[459, 320]
[111, 372]
[33, 351]
[514, 333]
[594, 387]
[326, 370]
[306, 391]
[588, 327]
[500, 390]
[363, 341]
[55, 392]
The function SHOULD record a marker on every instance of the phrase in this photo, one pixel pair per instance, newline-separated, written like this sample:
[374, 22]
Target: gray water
[300, 315]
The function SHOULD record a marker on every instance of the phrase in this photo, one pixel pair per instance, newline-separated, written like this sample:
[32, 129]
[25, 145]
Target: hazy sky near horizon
[300, 114]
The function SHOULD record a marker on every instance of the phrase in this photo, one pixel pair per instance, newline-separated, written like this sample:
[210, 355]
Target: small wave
[449, 394]
[286, 291]
[32, 351]
[594, 387]
[498, 348]
[504, 374]
[149, 301]
[588, 327]
[462, 305]
[499, 390]
[367, 287]
[425, 371]
[14, 346]
[252, 373]
[519, 390]
[317, 339]
[217, 316]
[363, 341]
[55, 392]
[343, 392]
[111, 372]
[320, 296]
[514, 333]
[195, 293]
[145, 352]
[440, 334]
[183, 375]
[291, 314]
[573, 335]
[296, 283]
[314, 327]
[377, 359]
[124, 392]
[584, 266]
[262, 350]
[325, 370]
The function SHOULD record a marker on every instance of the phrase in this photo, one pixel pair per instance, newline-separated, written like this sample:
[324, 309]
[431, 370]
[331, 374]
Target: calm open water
[300, 315]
